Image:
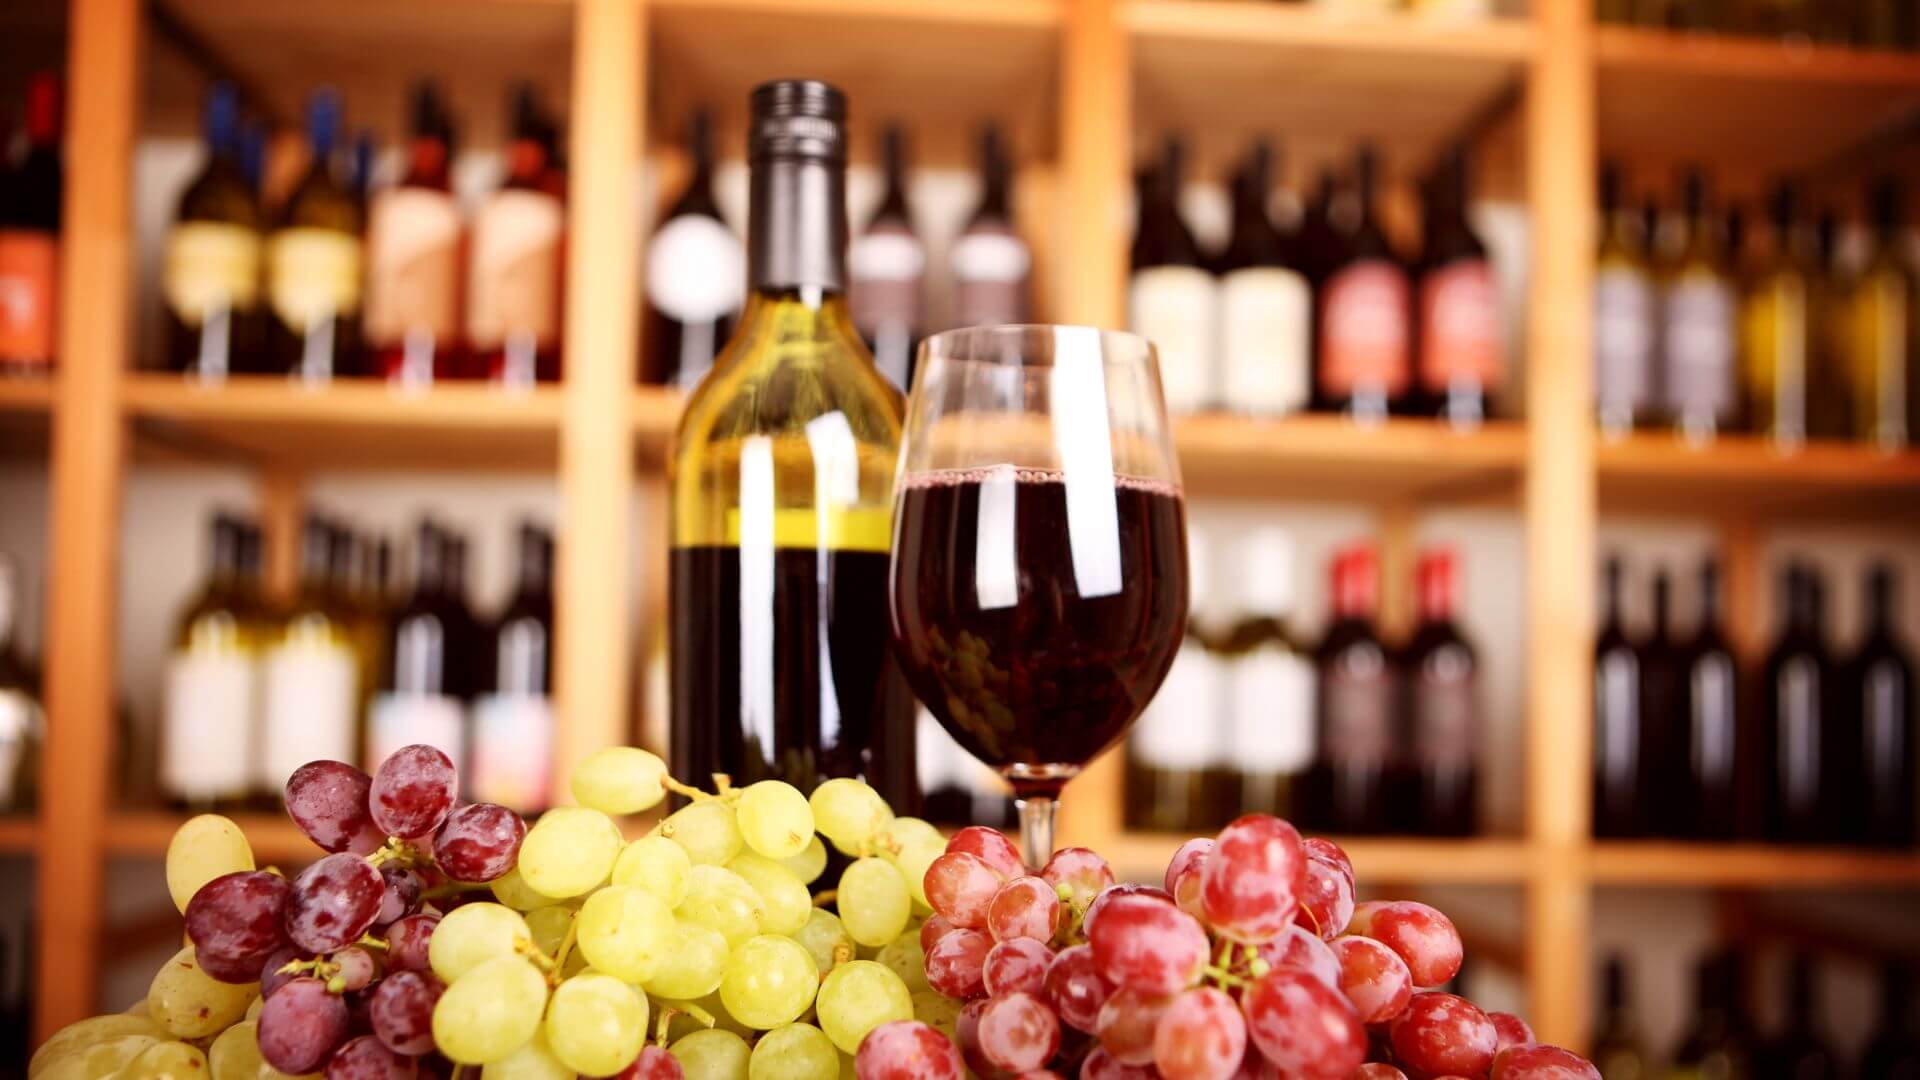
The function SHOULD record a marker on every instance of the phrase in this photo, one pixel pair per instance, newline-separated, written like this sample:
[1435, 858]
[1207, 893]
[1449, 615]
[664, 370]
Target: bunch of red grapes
[1253, 961]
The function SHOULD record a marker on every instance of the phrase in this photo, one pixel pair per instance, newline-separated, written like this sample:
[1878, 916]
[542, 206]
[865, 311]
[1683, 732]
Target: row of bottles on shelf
[1450, 10]
[351, 669]
[696, 273]
[1873, 24]
[22, 720]
[1355, 734]
[1326, 313]
[1722, 1040]
[30, 181]
[402, 283]
[1698, 328]
[1809, 746]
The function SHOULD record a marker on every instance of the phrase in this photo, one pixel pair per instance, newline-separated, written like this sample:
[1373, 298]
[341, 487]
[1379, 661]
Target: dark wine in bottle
[888, 262]
[694, 276]
[1442, 686]
[210, 270]
[1715, 1042]
[1801, 1050]
[1663, 756]
[1358, 747]
[413, 258]
[1618, 723]
[1797, 692]
[1719, 750]
[1461, 362]
[1364, 367]
[1893, 1053]
[419, 697]
[1881, 679]
[1618, 1051]
[30, 237]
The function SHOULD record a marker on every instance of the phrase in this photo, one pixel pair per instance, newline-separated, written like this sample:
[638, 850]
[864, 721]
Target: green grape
[575, 964]
[512, 890]
[769, 981]
[596, 1023]
[624, 930]
[784, 899]
[857, 997]
[847, 1069]
[825, 936]
[569, 851]
[935, 1009]
[253, 1009]
[533, 1061]
[849, 814]
[692, 964]
[712, 1054]
[93, 1060]
[93, 1030]
[719, 899]
[620, 780]
[912, 861]
[809, 864]
[191, 1004]
[166, 1061]
[657, 865]
[203, 849]
[473, 934]
[874, 902]
[707, 830]
[547, 926]
[903, 957]
[235, 1055]
[775, 819]
[794, 1052]
[489, 1012]
[903, 832]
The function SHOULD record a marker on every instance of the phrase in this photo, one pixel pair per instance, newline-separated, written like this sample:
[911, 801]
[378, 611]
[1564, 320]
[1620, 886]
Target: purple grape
[356, 967]
[300, 1025]
[479, 842]
[402, 896]
[412, 791]
[234, 923]
[401, 1009]
[334, 901]
[407, 943]
[269, 974]
[365, 1059]
[328, 800]
[240, 971]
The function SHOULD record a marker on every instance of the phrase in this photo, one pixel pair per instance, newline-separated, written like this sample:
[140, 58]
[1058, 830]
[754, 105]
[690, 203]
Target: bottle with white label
[210, 690]
[1698, 309]
[1442, 679]
[314, 263]
[513, 284]
[418, 700]
[210, 269]
[1364, 366]
[1460, 359]
[310, 676]
[990, 262]
[1269, 672]
[1623, 314]
[1171, 296]
[413, 258]
[1174, 752]
[1265, 305]
[696, 277]
[888, 264]
[512, 756]
[22, 722]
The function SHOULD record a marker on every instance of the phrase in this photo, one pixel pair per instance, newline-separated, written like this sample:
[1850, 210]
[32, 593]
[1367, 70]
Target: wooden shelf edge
[268, 399]
[1510, 40]
[1007, 13]
[1761, 865]
[1498, 444]
[1410, 860]
[274, 837]
[1627, 48]
[1837, 465]
[30, 395]
[18, 834]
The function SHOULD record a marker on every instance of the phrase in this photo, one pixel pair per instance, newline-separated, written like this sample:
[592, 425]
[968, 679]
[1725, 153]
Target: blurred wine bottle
[1270, 689]
[695, 276]
[1714, 1046]
[1441, 684]
[1364, 365]
[1266, 303]
[1883, 358]
[314, 263]
[418, 700]
[888, 265]
[1893, 1053]
[210, 270]
[413, 258]
[1663, 752]
[1719, 753]
[1800, 735]
[1698, 311]
[1619, 723]
[1829, 392]
[210, 687]
[512, 755]
[1171, 294]
[310, 689]
[1618, 1051]
[1800, 1051]
[990, 261]
[1880, 680]
[1173, 750]
[1460, 363]
[30, 236]
[22, 720]
[1776, 327]
[1355, 734]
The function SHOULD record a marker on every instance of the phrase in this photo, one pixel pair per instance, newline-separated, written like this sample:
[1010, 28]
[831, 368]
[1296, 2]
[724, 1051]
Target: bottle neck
[1435, 592]
[526, 162]
[797, 226]
[1709, 597]
[536, 565]
[893, 203]
[43, 111]
[427, 163]
[1662, 603]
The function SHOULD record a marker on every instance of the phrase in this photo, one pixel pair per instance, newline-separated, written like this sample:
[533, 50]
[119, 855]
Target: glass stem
[1036, 828]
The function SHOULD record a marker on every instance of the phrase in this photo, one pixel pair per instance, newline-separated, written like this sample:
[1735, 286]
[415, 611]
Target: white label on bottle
[209, 266]
[512, 758]
[1697, 344]
[1266, 315]
[206, 724]
[1272, 708]
[1622, 344]
[313, 275]
[886, 255]
[990, 256]
[397, 720]
[1181, 728]
[19, 727]
[515, 286]
[696, 271]
[310, 688]
[413, 265]
[1172, 306]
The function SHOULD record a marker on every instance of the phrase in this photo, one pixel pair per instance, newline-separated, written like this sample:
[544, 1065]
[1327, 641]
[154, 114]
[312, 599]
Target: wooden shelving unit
[1082, 83]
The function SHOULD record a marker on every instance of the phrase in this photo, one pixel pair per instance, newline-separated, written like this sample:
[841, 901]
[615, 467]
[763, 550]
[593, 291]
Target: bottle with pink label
[1459, 361]
[511, 753]
[1364, 363]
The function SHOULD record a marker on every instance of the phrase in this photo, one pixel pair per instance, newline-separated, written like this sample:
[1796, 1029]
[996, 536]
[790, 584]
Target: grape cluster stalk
[440, 939]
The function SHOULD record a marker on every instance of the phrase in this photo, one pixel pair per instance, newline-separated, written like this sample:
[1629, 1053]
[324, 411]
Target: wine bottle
[782, 491]
[1893, 1053]
[1174, 749]
[1618, 1051]
[1171, 296]
[1800, 1051]
[470, 664]
[1697, 314]
[1880, 676]
[1443, 707]
[1712, 1045]
[210, 271]
[1719, 753]
[989, 260]
[21, 719]
[1776, 328]
[1619, 725]
[1883, 357]
[417, 701]
[1829, 390]
[1321, 236]
[888, 264]
[1269, 676]
[365, 622]
[310, 677]
[1266, 304]
[512, 758]
[513, 288]
[1623, 314]
[30, 238]
[1796, 688]
[1461, 356]
[695, 272]
[1663, 709]
[1364, 364]
[314, 263]
[1355, 710]
[413, 258]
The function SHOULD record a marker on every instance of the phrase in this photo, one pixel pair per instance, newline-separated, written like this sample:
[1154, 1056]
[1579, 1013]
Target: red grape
[654, 1063]
[1378, 1070]
[1201, 1036]
[412, 791]
[1251, 882]
[1541, 1062]
[1081, 871]
[1329, 852]
[1148, 944]
[1254, 1065]
[333, 902]
[1363, 912]
[1374, 978]
[1326, 904]
[402, 897]
[1422, 936]
[1037, 1074]
[1100, 1065]
[1510, 1029]
[1304, 1027]
[234, 923]
[990, 846]
[1127, 1024]
[269, 973]
[1298, 948]
[407, 942]
[907, 1050]
[935, 928]
[1439, 1034]
[400, 1011]
[1076, 988]
[328, 801]
[961, 886]
[478, 842]
[1016, 965]
[966, 1033]
[300, 1025]
[955, 966]
[365, 1059]
[1183, 875]
[1018, 1032]
[1125, 888]
[1025, 907]
[239, 970]
[356, 968]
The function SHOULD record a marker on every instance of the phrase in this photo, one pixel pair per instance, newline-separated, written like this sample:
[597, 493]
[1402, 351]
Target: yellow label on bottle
[209, 266]
[859, 528]
[312, 275]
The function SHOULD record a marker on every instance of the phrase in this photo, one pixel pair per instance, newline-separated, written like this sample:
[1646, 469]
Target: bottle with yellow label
[210, 271]
[1883, 365]
[1776, 342]
[314, 263]
[782, 490]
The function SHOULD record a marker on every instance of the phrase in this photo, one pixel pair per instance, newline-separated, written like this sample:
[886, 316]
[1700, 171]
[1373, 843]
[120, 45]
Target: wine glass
[1038, 587]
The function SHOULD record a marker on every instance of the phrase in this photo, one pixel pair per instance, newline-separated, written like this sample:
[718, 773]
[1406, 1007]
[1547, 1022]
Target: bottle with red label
[513, 282]
[30, 236]
[1442, 707]
[412, 321]
[1460, 362]
[1358, 746]
[1364, 365]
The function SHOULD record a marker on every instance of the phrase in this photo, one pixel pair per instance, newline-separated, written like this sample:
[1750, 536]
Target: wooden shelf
[345, 425]
[1750, 864]
[26, 413]
[1399, 860]
[1658, 473]
[656, 415]
[26, 395]
[1318, 457]
[275, 838]
[17, 834]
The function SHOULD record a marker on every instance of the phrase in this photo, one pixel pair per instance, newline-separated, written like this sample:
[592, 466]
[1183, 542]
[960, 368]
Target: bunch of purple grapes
[340, 952]
[1253, 961]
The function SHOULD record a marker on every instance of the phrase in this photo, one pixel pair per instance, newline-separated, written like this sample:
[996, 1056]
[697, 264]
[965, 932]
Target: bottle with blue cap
[210, 269]
[314, 262]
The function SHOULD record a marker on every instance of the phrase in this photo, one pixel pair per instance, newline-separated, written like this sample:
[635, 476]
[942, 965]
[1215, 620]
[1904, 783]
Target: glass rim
[968, 344]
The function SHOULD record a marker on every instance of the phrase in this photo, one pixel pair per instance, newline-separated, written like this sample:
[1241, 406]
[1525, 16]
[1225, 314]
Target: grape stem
[678, 788]
[566, 946]
[368, 941]
[670, 1006]
[452, 888]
